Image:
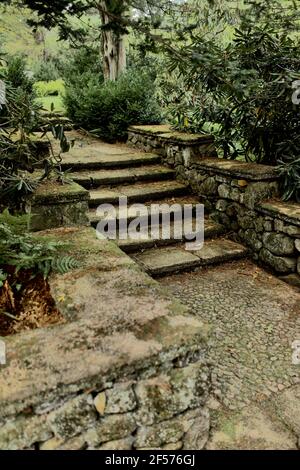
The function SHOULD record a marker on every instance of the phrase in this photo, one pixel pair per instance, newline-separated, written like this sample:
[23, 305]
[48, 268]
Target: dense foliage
[242, 88]
[108, 108]
[21, 153]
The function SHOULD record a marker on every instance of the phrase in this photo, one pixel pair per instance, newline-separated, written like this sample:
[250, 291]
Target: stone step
[94, 159]
[170, 236]
[140, 192]
[93, 179]
[161, 261]
[159, 208]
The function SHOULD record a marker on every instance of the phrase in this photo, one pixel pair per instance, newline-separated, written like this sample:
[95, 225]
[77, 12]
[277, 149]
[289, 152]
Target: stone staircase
[143, 179]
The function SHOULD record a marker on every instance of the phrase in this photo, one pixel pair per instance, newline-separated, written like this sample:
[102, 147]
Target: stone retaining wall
[243, 197]
[163, 412]
[55, 205]
[178, 150]
[126, 370]
[238, 202]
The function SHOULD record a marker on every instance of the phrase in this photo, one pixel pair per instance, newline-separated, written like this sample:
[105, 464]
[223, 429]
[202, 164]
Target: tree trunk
[113, 48]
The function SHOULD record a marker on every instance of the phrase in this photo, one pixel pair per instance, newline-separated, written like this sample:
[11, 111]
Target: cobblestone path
[255, 318]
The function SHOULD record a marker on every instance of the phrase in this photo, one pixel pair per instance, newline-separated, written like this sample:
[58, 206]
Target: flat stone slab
[186, 139]
[216, 251]
[139, 192]
[119, 322]
[159, 261]
[125, 175]
[104, 196]
[142, 192]
[166, 260]
[53, 193]
[243, 170]
[169, 236]
[166, 133]
[86, 143]
[162, 207]
[95, 159]
[151, 129]
[287, 211]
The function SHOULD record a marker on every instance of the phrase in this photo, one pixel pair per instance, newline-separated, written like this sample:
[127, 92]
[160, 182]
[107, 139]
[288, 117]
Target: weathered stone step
[138, 192]
[94, 159]
[92, 179]
[170, 235]
[159, 208]
[160, 261]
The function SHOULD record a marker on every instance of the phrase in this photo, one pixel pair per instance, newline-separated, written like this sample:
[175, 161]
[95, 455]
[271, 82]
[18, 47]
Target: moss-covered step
[166, 133]
[159, 208]
[56, 205]
[138, 192]
[90, 179]
[169, 236]
[287, 211]
[92, 158]
[161, 261]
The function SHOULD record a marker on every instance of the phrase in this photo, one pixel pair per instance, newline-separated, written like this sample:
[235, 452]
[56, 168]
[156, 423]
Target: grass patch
[57, 102]
[51, 93]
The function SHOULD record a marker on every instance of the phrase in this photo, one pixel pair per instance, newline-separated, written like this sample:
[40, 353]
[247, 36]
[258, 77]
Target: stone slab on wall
[55, 205]
[178, 150]
[126, 370]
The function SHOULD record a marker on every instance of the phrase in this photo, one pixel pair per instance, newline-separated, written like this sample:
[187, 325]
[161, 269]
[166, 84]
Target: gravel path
[255, 318]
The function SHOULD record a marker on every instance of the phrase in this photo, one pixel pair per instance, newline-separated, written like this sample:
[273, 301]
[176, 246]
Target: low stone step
[159, 208]
[94, 159]
[161, 261]
[92, 179]
[138, 192]
[170, 236]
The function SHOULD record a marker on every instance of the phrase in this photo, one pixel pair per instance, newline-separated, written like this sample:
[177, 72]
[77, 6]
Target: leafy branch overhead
[240, 88]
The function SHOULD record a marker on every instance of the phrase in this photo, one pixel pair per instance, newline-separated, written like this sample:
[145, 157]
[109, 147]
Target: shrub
[46, 71]
[16, 74]
[108, 108]
[20, 152]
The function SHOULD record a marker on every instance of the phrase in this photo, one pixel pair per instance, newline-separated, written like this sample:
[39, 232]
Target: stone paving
[255, 318]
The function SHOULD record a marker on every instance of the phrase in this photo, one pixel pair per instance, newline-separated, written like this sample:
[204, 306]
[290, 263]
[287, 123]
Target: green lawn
[57, 102]
[51, 93]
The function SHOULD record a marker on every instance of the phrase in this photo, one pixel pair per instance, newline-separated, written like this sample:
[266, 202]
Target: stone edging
[247, 171]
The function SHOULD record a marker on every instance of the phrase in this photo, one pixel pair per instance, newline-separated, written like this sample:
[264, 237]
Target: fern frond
[64, 264]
